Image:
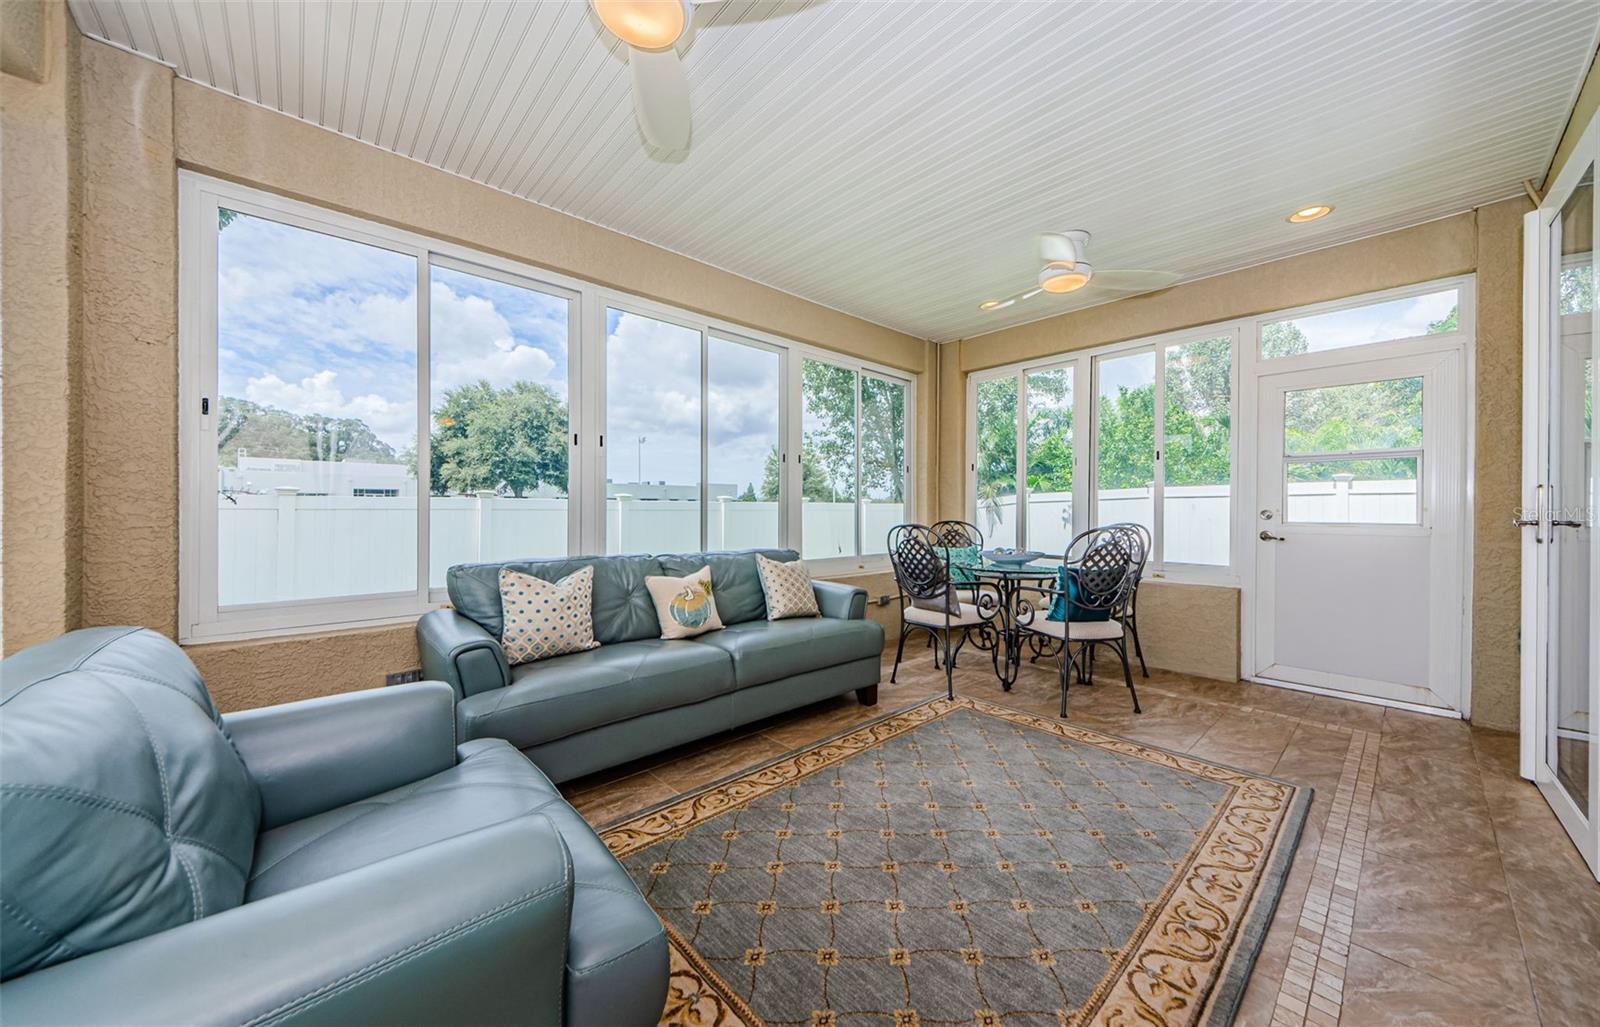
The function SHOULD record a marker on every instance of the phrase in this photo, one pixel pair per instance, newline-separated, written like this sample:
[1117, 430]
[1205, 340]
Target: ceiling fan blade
[661, 97]
[1133, 281]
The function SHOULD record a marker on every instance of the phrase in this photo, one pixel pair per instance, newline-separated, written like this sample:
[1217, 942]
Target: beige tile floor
[1431, 886]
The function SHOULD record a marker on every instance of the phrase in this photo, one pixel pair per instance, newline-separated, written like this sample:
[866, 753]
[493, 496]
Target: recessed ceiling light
[1311, 213]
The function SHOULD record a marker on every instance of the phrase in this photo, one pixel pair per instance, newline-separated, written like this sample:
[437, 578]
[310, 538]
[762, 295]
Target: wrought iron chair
[959, 535]
[930, 602]
[1142, 535]
[1102, 578]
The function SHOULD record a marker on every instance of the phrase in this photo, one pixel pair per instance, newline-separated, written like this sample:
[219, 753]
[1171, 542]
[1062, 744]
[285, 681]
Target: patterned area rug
[961, 862]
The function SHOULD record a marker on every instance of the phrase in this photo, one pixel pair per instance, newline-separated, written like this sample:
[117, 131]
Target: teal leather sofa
[335, 861]
[638, 694]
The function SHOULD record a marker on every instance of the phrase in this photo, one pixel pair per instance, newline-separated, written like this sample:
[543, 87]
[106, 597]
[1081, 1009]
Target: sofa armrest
[841, 602]
[318, 754]
[472, 929]
[457, 650]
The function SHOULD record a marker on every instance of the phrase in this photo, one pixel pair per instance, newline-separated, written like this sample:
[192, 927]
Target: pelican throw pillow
[684, 606]
[788, 589]
[545, 618]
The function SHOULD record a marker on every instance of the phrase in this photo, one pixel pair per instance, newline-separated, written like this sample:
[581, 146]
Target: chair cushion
[734, 579]
[967, 617]
[1082, 630]
[124, 808]
[622, 607]
[765, 651]
[615, 938]
[568, 694]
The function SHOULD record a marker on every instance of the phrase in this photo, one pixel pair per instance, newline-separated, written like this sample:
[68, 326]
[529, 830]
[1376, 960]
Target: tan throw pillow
[684, 606]
[788, 589]
[544, 619]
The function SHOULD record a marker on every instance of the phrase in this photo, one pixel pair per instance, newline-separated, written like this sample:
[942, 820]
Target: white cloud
[320, 394]
[472, 339]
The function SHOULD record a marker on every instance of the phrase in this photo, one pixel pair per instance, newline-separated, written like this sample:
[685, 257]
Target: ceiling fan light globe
[644, 24]
[1058, 280]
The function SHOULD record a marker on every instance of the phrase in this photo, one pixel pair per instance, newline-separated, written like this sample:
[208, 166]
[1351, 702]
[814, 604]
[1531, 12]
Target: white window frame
[199, 615]
[793, 472]
[1246, 366]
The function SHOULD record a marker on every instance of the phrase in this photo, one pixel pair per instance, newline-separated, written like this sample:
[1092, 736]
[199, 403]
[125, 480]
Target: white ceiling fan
[652, 30]
[1066, 268]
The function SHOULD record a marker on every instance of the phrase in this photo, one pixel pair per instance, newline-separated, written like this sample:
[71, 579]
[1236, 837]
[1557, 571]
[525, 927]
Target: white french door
[1561, 567]
[1361, 496]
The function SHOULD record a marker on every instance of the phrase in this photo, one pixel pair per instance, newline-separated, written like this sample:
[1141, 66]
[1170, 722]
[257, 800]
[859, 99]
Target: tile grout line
[1312, 989]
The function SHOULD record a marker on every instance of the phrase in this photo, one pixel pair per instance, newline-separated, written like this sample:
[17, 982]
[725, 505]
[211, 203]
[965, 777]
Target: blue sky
[315, 324]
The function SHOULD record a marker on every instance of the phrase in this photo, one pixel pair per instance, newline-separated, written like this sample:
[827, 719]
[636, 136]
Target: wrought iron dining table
[999, 585]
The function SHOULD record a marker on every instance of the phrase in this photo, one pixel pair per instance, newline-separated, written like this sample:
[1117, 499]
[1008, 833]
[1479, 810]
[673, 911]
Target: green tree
[749, 493]
[513, 438]
[828, 445]
[270, 432]
[1448, 323]
[1197, 426]
[814, 485]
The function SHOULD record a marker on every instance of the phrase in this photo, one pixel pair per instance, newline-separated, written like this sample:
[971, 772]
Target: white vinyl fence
[288, 546]
[1197, 517]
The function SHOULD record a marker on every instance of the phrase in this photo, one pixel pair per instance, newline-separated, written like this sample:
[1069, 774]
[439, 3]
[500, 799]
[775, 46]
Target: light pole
[638, 470]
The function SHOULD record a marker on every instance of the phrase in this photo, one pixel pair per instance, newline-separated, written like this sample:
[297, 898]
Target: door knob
[1267, 536]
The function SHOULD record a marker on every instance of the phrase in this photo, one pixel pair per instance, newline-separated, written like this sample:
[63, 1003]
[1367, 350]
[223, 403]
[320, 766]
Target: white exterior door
[1361, 495]
[1560, 563]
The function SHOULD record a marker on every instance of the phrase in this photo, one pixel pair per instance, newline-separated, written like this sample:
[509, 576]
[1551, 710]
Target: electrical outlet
[402, 677]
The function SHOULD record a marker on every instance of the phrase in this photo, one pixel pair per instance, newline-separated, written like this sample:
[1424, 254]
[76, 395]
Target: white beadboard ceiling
[896, 160]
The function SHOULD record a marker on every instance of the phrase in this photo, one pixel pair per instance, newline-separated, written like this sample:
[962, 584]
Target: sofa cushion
[734, 579]
[765, 651]
[615, 940]
[623, 610]
[124, 808]
[568, 694]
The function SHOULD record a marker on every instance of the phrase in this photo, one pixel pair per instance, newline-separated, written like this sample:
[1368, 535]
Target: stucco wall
[1486, 241]
[42, 516]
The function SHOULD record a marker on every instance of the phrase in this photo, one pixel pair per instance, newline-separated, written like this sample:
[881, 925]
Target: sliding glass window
[499, 420]
[364, 408]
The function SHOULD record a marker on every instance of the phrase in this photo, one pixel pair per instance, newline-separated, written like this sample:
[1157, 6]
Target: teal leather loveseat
[335, 861]
[638, 694]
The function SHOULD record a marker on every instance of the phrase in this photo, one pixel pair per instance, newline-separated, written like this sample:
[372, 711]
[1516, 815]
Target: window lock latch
[205, 405]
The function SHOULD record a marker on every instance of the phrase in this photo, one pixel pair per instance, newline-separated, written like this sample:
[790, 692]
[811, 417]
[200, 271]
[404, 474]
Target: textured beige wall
[129, 368]
[1193, 629]
[1486, 241]
[43, 512]
[1497, 468]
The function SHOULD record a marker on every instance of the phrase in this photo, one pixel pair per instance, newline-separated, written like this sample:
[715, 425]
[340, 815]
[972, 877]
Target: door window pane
[1050, 460]
[1352, 491]
[1125, 455]
[316, 415]
[997, 461]
[742, 445]
[883, 461]
[1432, 314]
[1196, 455]
[499, 427]
[1569, 727]
[652, 435]
[1353, 418]
[828, 460]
